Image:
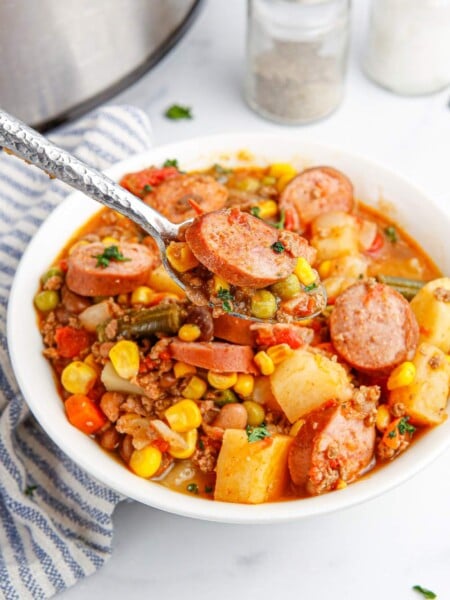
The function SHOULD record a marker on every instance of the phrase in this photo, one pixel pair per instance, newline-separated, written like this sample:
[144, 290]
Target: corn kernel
[78, 377]
[402, 375]
[264, 363]
[279, 352]
[219, 284]
[190, 437]
[281, 169]
[124, 356]
[109, 240]
[194, 389]
[244, 384]
[305, 272]
[146, 461]
[296, 427]
[142, 295]
[90, 361]
[341, 484]
[383, 417]
[180, 257]
[189, 332]
[181, 369]
[122, 299]
[325, 268]
[283, 181]
[255, 413]
[267, 209]
[77, 245]
[183, 416]
[222, 381]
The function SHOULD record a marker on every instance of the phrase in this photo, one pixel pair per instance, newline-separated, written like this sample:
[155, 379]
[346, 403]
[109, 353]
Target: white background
[376, 550]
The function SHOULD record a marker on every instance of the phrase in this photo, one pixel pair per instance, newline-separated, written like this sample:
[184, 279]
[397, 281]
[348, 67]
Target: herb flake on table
[109, 253]
[29, 490]
[425, 593]
[176, 112]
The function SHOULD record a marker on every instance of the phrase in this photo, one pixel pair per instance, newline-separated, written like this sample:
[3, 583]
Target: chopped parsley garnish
[425, 593]
[280, 224]
[29, 490]
[255, 211]
[405, 427]
[310, 287]
[110, 253]
[255, 434]
[278, 247]
[201, 444]
[171, 162]
[147, 189]
[177, 112]
[391, 234]
[208, 489]
[192, 488]
[226, 296]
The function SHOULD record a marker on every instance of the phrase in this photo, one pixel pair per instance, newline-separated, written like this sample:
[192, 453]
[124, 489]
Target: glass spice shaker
[296, 58]
[408, 45]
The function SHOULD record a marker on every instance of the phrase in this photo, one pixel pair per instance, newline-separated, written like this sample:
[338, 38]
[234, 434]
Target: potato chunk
[305, 380]
[251, 472]
[431, 305]
[425, 399]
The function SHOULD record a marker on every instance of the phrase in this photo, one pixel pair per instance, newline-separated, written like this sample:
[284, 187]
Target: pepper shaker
[296, 58]
[408, 45]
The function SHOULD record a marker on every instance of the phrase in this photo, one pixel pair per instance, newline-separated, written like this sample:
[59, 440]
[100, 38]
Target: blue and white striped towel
[55, 520]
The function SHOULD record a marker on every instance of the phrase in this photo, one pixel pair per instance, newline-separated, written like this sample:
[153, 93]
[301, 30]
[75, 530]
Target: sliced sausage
[234, 329]
[334, 443]
[244, 250]
[373, 327]
[85, 278]
[215, 356]
[316, 191]
[171, 198]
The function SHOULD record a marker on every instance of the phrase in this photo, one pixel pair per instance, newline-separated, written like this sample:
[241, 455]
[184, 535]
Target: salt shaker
[408, 45]
[296, 58]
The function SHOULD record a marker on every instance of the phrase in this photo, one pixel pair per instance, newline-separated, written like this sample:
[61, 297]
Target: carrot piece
[71, 342]
[84, 414]
[377, 244]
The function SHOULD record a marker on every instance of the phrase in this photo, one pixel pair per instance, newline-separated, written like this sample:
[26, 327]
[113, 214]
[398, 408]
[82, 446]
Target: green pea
[52, 272]
[226, 397]
[287, 288]
[255, 413]
[249, 184]
[263, 304]
[46, 300]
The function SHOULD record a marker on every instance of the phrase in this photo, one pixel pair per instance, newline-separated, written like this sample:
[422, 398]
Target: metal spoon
[28, 144]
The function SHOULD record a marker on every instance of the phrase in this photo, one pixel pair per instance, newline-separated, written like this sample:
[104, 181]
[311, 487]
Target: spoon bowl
[28, 144]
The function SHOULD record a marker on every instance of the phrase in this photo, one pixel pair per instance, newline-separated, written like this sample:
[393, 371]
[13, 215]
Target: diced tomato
[71, 342]
[136, 182]
[290, 219]
[281, 334]
[161, 444]
[63, 265]
[377, 244]
[84, 414]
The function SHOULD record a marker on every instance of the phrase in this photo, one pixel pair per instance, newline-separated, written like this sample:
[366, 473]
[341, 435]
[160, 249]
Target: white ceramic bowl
[374, 184]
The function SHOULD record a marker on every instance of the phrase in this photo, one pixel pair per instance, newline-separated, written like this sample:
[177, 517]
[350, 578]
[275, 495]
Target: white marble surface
[376, 550]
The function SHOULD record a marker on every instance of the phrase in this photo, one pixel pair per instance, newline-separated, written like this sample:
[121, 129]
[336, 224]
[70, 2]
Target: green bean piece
[225, 397]
[287, 288]
[263, 304]
[408, 288]
[402, 282]
[46, 300]
[144, 323]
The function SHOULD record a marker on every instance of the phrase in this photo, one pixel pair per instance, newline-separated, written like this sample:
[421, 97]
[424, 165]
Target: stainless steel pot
[59, 58]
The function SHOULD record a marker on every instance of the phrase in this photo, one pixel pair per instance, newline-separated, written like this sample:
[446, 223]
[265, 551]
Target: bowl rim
[77, 445]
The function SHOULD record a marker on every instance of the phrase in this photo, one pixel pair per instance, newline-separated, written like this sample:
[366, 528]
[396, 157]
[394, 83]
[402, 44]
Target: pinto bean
[126, 448]
[231, 416]
[109, 439]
